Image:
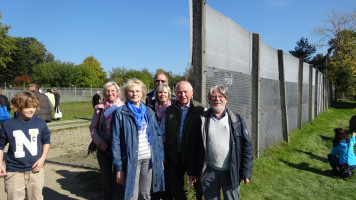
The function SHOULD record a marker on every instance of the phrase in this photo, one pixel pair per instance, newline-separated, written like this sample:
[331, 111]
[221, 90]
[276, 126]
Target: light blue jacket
[351, 155]
[124, 147]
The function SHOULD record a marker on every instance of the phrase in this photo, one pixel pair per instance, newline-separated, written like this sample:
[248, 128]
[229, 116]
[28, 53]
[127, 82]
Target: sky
[155, 34]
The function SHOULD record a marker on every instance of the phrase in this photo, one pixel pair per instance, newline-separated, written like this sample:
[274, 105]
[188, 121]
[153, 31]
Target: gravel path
[69, 172]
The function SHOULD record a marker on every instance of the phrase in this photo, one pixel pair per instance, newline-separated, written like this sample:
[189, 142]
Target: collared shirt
[216, 117]
[184, 111]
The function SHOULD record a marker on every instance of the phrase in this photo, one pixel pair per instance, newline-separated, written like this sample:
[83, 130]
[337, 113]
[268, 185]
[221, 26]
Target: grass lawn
[71, 111]
[299, 169]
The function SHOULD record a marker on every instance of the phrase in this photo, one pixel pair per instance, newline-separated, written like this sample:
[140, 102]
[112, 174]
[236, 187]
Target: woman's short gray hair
[222, 89]
[162, 87]
[108, 84]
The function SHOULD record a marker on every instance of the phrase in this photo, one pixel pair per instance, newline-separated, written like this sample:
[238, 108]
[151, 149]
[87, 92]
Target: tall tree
[96, 66]
[7, 45]
[319, 62]
[303, 50]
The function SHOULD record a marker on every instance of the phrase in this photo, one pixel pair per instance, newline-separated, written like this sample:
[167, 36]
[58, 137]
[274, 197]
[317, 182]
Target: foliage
[121, 75]
[6, 45]
[189, 75]
[23, 79]
[345, 81]
[96, 66]
[84, 76]
[303, 50]
[28, 53]
[57, 73]
[319, 62]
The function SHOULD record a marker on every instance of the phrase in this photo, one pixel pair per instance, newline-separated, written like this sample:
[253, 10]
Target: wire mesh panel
[270, 103]
[228, 45]
[239, 87]
[228, 61]
[291, 70]
[305, 96]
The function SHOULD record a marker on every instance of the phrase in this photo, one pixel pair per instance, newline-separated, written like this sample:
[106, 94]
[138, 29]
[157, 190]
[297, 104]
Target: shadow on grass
[82, 184]
[71, 165]
[343, 105]
[88, 119]
[305, 167]
[326, 138]
[313, 156]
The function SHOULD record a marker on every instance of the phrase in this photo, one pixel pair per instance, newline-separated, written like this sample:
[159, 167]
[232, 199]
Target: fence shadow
[305, 167]
[325, 138]
[82, 184]
[88, 119]
[343, 105]
[314, 156]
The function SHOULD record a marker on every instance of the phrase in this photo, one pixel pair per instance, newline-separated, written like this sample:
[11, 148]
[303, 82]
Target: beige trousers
[17, 183]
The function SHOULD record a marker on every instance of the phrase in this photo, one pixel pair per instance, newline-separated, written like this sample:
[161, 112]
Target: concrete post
[300, 94]
[310, 103]
[255, 122]
[283, 97]
[199, 62]
[316, 94]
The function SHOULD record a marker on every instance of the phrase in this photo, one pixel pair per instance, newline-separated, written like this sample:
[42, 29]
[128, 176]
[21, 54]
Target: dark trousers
[105, 164]
[166, 195]
[176, 172]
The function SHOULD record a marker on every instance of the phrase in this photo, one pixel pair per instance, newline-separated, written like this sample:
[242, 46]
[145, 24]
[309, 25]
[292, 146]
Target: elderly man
[45, 111]
[160, 78]
[180, 119]
[96, 99]
[220, 150]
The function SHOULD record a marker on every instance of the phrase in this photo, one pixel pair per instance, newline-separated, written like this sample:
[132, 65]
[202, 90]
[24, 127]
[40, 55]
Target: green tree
[303, 50]
[319, 62]
[118, 75]
[345, 82]
[144, 75]
[7, 45]
[96, 66]
[85, 76]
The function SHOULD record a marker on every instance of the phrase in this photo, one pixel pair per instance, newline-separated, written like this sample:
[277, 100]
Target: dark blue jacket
[241, 160]
[124, 146]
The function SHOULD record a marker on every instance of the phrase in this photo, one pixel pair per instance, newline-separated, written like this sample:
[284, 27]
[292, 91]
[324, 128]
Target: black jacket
[4, 102]
[241, 160]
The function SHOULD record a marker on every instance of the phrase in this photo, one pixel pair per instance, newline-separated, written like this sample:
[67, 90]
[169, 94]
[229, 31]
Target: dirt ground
[69, 172]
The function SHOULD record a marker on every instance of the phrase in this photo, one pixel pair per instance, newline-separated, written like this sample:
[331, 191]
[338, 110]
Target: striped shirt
[144, 149]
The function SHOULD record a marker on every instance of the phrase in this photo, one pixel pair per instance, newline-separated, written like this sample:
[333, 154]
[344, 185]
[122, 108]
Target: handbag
[57, 114]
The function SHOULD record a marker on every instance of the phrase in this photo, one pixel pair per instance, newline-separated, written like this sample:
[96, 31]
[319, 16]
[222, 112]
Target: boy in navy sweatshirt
[29, 142]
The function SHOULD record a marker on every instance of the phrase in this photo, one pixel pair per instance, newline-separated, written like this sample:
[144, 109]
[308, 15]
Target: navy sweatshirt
[26, 140]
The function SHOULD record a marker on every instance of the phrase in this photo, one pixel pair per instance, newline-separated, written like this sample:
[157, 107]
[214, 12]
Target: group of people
[146, 143]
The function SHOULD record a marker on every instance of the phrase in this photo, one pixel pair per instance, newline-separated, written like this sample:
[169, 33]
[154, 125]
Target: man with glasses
[220, 149]
[160, 78]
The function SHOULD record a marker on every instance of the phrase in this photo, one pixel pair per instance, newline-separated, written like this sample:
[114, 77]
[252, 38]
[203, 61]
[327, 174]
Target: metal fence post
[255, 123]
[283, 97]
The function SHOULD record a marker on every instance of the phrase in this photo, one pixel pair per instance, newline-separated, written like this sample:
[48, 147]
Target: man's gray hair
[108, 84]
[222, 89]
[98, 92]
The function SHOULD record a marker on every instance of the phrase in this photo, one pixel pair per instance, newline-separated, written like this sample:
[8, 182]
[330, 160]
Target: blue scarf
[140, 114]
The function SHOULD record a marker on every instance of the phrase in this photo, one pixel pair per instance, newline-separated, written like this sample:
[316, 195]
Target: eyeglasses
[218, 97]
[162, 81]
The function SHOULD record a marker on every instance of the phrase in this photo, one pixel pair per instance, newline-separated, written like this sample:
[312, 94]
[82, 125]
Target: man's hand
[192, 180]
[2, 171]
[120, 177]
[245, 180]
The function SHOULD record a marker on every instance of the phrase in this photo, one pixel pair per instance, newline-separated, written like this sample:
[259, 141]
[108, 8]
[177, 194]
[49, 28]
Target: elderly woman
[100, 130]
[136, 144]
[162, 96]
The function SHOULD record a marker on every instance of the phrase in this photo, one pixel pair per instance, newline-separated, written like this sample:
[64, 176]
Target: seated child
[29, 142]
[342, 151]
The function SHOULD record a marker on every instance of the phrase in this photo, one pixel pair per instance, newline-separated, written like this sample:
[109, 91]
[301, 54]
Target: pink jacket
[97, 120]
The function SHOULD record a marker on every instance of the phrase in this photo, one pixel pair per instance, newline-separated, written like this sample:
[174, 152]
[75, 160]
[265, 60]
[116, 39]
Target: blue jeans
[213, 180]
